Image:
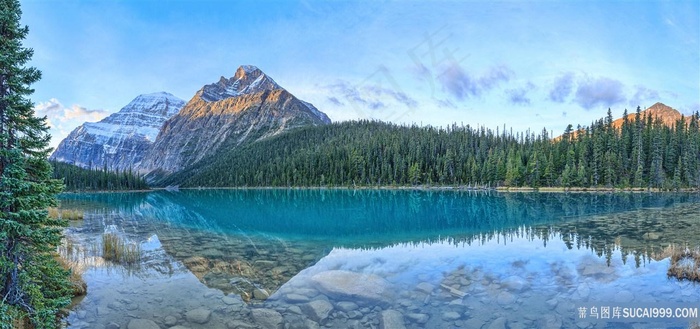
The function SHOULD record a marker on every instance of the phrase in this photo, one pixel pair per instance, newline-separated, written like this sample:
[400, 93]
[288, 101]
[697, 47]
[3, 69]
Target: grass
[117, 250]
[685, 263]
[68, 214]
[77, 284]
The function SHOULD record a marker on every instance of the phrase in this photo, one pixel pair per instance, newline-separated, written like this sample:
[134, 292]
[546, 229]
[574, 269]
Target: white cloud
[62, 120]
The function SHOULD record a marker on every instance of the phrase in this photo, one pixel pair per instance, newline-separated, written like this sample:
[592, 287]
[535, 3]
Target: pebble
[505, 298]
[112, 325]
[499, 323]
[260, 294]
[583, 291]
[170, 320]
[296, 298]
[425, 287]
[515, 283]
[418, 317]
[451, 316]
[346, 306]
[294, 310]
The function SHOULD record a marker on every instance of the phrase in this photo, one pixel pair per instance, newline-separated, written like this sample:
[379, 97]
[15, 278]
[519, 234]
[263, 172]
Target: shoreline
[500, 189]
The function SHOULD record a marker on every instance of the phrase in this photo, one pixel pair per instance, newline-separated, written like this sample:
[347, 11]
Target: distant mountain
[120, 140]
[668, 116]
[224, 115]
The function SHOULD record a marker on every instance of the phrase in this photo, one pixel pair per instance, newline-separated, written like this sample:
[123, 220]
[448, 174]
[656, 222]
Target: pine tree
[32, 283]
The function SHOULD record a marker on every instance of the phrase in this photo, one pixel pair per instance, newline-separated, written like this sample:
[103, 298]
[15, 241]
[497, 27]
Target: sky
[522, 64]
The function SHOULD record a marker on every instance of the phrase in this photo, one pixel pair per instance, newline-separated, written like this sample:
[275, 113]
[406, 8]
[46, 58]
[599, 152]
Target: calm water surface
[382, 259]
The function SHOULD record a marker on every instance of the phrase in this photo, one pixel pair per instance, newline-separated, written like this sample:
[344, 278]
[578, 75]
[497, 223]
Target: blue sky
[525, 64]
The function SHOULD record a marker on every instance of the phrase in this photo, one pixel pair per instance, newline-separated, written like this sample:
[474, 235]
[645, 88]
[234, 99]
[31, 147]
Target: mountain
[224, 115]
[120, 140]
[666, 114]
[661, 111]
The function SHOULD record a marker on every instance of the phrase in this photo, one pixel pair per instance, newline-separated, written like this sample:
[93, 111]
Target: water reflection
[438, 258]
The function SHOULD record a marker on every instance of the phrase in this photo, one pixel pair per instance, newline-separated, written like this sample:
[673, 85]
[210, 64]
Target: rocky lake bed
[523, 277]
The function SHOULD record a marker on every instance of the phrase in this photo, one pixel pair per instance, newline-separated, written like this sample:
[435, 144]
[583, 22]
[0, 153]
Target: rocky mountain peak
[245, 108]
[248, 79]
[246, 71]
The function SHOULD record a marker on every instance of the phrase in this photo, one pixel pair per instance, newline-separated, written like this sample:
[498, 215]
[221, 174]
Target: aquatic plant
[685, 263]
[117, 250]
[67, 214]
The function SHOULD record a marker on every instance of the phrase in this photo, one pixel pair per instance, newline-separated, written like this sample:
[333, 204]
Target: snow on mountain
[223, 115]
[120, 140]
[247, 80]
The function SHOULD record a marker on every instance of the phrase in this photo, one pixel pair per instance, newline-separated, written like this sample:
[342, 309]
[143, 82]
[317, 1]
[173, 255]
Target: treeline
[81, 179]
[641, 153]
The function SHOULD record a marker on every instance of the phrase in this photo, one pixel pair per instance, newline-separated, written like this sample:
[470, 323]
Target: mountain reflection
[251, 242]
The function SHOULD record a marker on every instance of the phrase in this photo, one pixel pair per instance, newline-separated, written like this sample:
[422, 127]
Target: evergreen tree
[31, 282]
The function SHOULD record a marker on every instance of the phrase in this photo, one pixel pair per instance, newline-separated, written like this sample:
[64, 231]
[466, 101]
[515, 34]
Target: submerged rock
[425, 287]
[199, 315]
[232, 300]
[505, 298]
[238, 324]
[391, 319]
[341, 284]
[260, 294]
[346, 306]
[267, 318]
[112, 325]
[418, 317]
[515, 283]
[170, 320]
[450, 316]
[142, 324]
[296, 298]
[318, 310]
[499, 323]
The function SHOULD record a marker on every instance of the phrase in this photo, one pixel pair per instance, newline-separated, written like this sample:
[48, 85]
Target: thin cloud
[519, 96]
[643, 95]
[335, 101]
[598, 92]
[563, 86]
[372, 96]
[445, 103]
[462, 85]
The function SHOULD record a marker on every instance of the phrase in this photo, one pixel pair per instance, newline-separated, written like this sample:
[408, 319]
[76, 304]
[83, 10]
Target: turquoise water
[380, 258]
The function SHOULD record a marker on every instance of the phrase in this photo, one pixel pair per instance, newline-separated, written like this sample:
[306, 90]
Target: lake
[310, 258]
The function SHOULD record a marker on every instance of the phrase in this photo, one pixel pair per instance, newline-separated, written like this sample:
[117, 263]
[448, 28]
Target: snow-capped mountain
[223, 115]
[120, 140]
